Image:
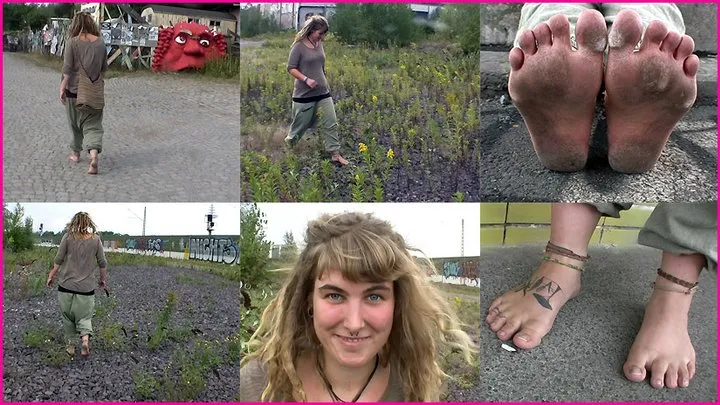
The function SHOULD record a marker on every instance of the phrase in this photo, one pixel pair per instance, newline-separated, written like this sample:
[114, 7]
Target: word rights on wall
[214, 250]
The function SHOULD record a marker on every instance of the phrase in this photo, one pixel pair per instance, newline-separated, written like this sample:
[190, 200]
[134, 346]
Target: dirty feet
[647, 92]
[70, 349]
[337, 158]
[528, 312]
[555, 88]
[85, 347]
[662, 346]
[74, 157]
[93, 169]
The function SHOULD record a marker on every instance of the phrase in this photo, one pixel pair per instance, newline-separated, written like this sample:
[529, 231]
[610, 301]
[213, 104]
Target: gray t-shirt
[78, 259]
[311, 63]
[253, 379]
[91, 55]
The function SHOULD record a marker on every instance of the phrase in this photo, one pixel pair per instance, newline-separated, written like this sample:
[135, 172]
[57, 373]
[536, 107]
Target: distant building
[166, 16]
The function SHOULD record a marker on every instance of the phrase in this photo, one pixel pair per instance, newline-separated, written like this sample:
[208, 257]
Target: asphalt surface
[510, 170]
[581, 358]
[168, 137]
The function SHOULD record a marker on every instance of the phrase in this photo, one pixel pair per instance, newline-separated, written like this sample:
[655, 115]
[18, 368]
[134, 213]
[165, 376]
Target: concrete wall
[500, 23]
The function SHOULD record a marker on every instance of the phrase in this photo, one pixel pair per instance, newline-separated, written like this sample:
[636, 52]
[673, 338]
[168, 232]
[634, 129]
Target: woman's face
[317, 35]
[352, 320]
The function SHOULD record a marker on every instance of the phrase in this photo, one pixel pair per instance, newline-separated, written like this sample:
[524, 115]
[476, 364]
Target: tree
[254, 248]
[253, 22]
[377, 24]
[17, 233]
[461, 23]
[289, 248]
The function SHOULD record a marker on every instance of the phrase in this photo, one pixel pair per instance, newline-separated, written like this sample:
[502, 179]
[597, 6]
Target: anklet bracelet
[689, 291]
[553, 248]
[676, 280]
[572, 266]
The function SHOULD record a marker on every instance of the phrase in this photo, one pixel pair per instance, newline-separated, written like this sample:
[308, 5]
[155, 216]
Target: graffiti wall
[459, 270]
[218, 250]
[144, 244]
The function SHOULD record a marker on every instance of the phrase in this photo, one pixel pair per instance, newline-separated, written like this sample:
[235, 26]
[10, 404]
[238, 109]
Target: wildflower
[403, 67]
[363, 148]
[390, 154]
[374, 98]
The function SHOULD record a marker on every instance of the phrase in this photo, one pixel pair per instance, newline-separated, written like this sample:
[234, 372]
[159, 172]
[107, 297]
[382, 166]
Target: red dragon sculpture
[187, 46]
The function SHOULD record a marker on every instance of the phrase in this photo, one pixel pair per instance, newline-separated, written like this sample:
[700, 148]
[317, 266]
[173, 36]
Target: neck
[347, 381]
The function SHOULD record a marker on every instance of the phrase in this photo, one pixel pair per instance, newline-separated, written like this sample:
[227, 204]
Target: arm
[102, 262]
[68, 68]
[59, 259]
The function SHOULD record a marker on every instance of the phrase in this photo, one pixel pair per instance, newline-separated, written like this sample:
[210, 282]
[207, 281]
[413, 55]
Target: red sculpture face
[187, 46]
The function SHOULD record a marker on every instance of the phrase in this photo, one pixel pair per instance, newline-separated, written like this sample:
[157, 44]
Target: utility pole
[210, 219]
[462, 238]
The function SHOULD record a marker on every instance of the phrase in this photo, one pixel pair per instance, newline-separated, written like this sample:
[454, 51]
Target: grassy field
[408, 120]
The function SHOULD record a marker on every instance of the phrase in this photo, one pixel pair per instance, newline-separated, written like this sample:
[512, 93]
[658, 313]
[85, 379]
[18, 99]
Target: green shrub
[379, 24]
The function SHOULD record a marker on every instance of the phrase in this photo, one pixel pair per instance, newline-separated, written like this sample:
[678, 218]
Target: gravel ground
[206, 303]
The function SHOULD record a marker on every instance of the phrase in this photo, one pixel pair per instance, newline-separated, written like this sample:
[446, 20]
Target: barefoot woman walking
[80, 252]
[312, 101]
[84, 52]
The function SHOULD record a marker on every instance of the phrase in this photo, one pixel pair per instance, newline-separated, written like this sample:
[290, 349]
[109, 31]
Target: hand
[50, 279]
[102, 283]
[311, 83]
[62, 96]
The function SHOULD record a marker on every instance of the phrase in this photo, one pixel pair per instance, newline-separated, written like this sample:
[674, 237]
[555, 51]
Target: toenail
[635, 370]
[684, 383]
[524, 338]
[659, 383]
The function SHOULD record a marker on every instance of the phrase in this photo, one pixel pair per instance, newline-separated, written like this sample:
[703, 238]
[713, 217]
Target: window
[195, 20]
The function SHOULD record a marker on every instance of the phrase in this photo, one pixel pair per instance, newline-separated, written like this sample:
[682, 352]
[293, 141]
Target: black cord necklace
[329, 387]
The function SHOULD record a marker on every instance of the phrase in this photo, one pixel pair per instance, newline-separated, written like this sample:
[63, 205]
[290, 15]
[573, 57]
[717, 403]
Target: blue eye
[334, 297]
[375, 298]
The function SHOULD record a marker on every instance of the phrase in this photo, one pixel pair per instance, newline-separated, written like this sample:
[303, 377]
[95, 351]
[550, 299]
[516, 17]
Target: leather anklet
[689, 291]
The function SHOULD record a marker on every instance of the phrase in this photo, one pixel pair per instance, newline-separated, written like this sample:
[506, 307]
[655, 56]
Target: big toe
[591, 32]
[626, 31]
[634, 368]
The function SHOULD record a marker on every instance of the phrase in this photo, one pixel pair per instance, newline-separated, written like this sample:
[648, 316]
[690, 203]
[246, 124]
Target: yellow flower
[374, 99]
[403, 67]
[362, 147]
[390, 154]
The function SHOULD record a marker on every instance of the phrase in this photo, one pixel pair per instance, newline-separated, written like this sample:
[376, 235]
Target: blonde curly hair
[364, 249]
[80, 225]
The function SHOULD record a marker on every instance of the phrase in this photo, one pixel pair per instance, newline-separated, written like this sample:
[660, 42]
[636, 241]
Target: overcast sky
[434, 228]
[126, 218]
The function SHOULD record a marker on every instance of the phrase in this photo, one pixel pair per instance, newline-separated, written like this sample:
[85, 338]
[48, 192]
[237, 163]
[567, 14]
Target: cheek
[326, 315]
[380, 317]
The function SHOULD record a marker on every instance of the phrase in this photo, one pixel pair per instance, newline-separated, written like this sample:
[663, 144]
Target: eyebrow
[374, 287]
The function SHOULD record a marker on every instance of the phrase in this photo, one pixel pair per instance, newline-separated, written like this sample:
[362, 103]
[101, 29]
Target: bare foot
[337, 158]
[663, 345]
[93, 169]
[85, 347]
[528, 312]
[647, 92]
[74, 157]
[555, 88]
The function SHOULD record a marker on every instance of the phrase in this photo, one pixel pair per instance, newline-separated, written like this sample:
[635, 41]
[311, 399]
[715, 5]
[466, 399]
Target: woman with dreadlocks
[79, 253]
[356, 321]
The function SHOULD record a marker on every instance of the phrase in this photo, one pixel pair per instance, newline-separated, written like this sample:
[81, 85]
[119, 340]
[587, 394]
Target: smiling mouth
[353, 339]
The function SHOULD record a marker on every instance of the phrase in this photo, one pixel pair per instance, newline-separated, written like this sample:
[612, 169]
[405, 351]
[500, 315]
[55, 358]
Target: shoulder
[395, 391]
[253, 379]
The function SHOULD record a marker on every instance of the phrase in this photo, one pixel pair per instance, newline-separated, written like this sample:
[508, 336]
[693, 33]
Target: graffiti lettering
[461, 270]
[214, 250]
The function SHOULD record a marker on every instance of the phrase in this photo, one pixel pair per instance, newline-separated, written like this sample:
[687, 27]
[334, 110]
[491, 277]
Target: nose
[193, 48]
[354, 318]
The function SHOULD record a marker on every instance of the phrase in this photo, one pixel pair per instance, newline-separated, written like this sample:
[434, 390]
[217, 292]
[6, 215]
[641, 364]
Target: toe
[560, 28]
[657, 373]
[683, 377]
[543, 35]
[654, 34]
[498, 323]
[691, 65]
[634, 368]
[591, 31]
[527, 338]
[671, 376]
[626, 31]
[686, 47]
[509, 329]
[691, 369]
[527, 42]
[670, 43]
[516, 57]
